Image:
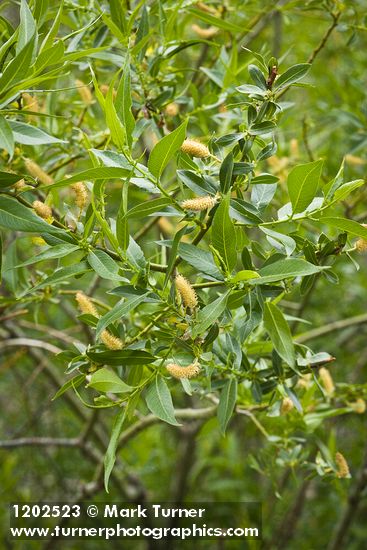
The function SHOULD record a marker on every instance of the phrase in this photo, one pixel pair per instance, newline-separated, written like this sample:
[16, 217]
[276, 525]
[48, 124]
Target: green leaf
[105, 380]
[114, 123]
[292, 75]
[92, 174]
[344, 190]
[18, 68]
[104, 265]
[57, 251]
[17, 217]
[8, 178]
[200, 259]
[62, 274]
[245, 275]
[121, 309]
[224, 235]
[173, 253]
[27, 27]
[30, 135]
[257, 76]
[125, 357]
[124, 102]
[159, 401]
[285, 269]
[277, 328]
[209, 314]
[227, 402]
[349, 226]
[72, 383]
[164, 150]
[147, 208]
[110, 456]
[262, 128]
[303, 182]
[6, 136]
[215, 21]
[225, 173]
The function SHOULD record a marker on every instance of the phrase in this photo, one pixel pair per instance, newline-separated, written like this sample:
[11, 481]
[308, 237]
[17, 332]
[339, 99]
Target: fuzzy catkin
[204, 33]
[42, 210]
[171, 109]
[36, 171]
[199, 203]
[183, 372]
[30, 102]
[342, 466]
[84, 92]
[187, 293]
[195, 148]
[361, 244]
[81, 194]
[85, 304]
[286, 406]
[111, 341]
[359, 406]
[327, 381]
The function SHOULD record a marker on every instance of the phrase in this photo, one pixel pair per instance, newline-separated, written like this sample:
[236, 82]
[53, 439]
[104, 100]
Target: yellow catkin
[286, 406]
[30, 103]
[204, 33]
[104, 89]
[342, 466]
[354, 161]
[361, 244]
[195, 148]
[42, 210]
[36, 171]
[199, 203]
[305, 381]
[327, 380]
[81, 194]
[293, 148]
[359, 406]
[165, 226]
[84, 92]
[206, 9]
[39, 241]
[183, 372]
[172, 109]
[187, 293]
[85, 304]
[19, 185]
[111, 341]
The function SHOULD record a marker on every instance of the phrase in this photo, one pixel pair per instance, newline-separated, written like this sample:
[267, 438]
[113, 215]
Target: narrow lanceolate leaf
[17, 217]
[121, 358]
[124, 102]
[209, 314]
[27, 27]
[285, 269]
[227, 403]
[202, 260]
[7, 178]
[110, 456]
[121, 309]
[349, 226]
[279, 332]
[224, 235]
[292, 75]
[159, 401]
[63, 274]
[30, 135]
[6, 136]
[147, 208]
[57, 251]
[164, 150]
[303, 182]
[105, 380]
[92, 174]
[104, 265]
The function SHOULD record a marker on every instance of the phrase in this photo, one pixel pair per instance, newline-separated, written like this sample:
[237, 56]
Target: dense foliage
[182, 210]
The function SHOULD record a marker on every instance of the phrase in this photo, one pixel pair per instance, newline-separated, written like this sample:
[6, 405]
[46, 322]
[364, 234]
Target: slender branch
[40, 442]
[31, 343]
[331, 327]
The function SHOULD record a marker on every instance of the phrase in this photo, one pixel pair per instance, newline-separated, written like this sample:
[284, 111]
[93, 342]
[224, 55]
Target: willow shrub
[152, 209]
